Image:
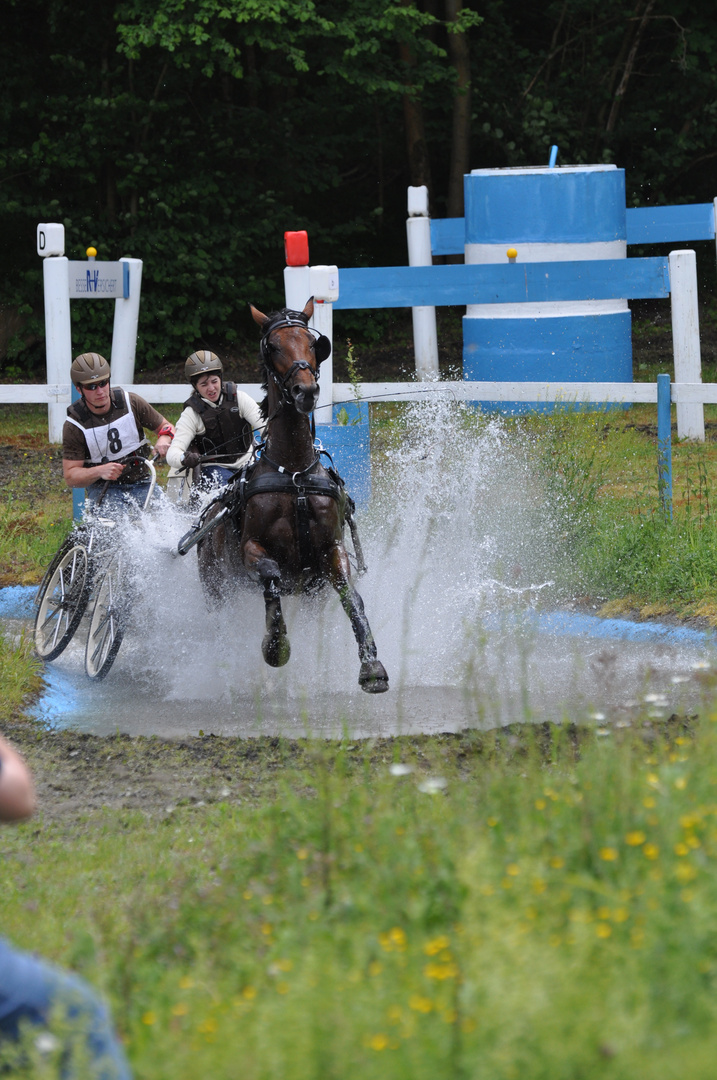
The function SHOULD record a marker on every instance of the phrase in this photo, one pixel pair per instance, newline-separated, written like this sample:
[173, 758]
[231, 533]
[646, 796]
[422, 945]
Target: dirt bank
[83, 774]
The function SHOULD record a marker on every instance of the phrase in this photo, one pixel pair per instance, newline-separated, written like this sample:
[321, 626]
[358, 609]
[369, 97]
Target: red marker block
[296, 248]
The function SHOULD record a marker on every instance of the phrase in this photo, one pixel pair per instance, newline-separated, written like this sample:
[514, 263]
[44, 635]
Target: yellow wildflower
[420, 1004]
[432, 948]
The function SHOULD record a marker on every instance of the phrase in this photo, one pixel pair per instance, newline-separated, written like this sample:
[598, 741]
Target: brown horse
[282, 523]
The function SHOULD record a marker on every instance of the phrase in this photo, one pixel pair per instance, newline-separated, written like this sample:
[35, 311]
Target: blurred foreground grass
[529, 903]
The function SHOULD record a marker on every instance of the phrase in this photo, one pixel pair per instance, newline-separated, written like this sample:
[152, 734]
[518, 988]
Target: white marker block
[50, 239]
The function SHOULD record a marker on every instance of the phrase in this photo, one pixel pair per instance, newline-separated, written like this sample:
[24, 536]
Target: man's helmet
[202, 362]
[89, 368]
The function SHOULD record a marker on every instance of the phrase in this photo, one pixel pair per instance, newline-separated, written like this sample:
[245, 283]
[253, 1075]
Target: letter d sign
[50, 239]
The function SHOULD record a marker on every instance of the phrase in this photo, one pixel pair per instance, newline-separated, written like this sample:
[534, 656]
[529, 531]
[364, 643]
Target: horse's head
[291, 353]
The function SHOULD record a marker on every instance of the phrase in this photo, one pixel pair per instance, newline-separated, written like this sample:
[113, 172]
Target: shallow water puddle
[529, 666]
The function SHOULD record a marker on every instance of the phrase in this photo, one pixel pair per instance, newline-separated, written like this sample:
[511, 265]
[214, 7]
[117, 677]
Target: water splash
[460, 539]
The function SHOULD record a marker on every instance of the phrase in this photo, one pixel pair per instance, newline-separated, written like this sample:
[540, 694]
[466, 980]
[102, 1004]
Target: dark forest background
[193, 133]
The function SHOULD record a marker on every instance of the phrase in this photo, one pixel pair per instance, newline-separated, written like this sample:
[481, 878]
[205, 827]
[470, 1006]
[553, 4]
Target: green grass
[20, 676]
[544, 908]
[601, 470]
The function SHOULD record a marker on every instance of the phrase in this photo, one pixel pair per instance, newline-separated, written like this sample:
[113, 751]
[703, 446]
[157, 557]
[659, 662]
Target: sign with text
[98, 280]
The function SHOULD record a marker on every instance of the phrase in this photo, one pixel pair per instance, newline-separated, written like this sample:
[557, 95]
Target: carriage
[87, 573]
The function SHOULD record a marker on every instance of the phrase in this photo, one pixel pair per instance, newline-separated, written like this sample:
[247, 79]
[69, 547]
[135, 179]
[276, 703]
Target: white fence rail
[578, 392]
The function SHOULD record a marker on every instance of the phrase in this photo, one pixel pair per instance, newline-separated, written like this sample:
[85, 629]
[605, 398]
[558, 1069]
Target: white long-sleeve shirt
[190, 426]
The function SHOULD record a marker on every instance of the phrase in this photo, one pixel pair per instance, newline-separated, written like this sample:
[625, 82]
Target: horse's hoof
[276, 651]
[373, 678]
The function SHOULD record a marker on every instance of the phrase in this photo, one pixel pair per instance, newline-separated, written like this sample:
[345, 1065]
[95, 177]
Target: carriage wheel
[107, 623]
[61, 600]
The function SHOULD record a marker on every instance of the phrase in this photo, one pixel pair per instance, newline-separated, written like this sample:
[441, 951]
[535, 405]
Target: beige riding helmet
[202, 362]
[89, 368]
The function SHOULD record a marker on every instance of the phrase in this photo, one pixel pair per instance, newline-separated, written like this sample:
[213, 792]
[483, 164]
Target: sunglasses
[97, 385]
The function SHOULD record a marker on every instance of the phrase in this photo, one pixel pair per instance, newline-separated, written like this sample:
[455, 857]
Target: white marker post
[66, 280]
[126, 322]
[58, 336]
[418, 233]
[324, 286]
[686, 339]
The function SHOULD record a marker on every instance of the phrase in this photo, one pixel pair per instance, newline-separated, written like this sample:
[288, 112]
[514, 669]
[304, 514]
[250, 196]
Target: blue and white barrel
[547, 214]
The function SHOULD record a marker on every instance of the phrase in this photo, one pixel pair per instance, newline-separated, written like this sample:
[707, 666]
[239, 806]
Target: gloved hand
[191, 459]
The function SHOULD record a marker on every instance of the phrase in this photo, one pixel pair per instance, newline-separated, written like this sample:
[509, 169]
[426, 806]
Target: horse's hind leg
[372, 674]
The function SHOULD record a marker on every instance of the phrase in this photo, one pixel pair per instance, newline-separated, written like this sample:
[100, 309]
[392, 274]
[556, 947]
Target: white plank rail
[616, 393]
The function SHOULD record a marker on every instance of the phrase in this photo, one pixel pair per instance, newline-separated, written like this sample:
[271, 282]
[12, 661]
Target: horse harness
[298, 484]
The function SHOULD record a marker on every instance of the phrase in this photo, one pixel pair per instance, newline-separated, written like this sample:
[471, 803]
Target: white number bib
[113, 440]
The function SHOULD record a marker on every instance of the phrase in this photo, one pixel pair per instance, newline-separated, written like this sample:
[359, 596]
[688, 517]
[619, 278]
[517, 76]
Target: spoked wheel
[61, 600]
[107, 622]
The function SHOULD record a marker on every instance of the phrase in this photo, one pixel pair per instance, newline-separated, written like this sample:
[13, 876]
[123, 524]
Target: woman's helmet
[202, 362]
[89, 368]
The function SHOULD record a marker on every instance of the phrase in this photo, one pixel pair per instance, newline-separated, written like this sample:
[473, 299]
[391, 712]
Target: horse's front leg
[372, 675]
[275, 646]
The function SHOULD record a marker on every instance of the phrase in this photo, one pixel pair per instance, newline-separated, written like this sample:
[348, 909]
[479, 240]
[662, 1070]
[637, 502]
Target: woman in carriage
[214, 434]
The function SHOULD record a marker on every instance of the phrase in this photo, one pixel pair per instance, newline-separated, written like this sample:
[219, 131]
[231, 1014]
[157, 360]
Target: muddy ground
[77, 775]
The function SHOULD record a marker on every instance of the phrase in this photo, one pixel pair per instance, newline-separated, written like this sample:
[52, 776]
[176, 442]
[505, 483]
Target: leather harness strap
[283, 484]
[300, 486]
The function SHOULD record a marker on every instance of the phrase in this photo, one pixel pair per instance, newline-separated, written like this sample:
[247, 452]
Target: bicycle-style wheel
[61, 600]
[107, 622]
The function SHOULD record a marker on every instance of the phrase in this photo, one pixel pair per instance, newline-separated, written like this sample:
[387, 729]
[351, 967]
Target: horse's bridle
[288, 318]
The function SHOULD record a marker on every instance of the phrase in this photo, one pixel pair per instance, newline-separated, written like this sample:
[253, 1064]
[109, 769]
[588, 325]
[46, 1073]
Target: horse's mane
[274, 317]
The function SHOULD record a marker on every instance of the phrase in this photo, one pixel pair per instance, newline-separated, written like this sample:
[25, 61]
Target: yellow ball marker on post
[512, 254]
[91, 253]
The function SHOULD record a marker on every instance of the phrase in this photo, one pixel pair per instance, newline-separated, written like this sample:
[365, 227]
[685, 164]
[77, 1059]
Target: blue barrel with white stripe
[547, 214]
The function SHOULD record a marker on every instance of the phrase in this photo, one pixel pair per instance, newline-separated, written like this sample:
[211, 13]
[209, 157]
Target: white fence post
[58, 334]
[297, 287]
[686, 339]
[324, 287]
[124, 330]
[418, 233]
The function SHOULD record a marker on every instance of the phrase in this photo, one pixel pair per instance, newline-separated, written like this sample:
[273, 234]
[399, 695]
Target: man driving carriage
[215, 431]
[103, 439]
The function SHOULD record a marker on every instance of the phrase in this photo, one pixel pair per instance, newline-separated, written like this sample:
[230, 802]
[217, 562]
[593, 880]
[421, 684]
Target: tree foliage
[193, 133]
